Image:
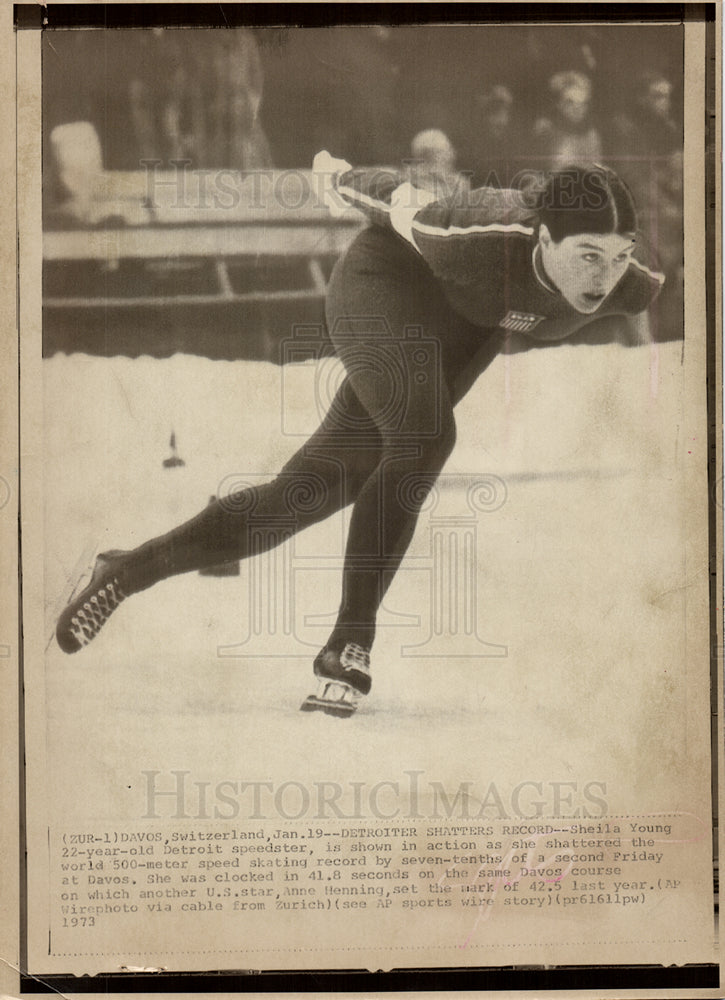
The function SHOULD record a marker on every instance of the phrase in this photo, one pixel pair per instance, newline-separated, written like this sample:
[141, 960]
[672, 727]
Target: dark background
[362, 92]
[248, 98]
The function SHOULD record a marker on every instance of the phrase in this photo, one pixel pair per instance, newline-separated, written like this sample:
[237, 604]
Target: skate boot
[344, 681]
[88, 611]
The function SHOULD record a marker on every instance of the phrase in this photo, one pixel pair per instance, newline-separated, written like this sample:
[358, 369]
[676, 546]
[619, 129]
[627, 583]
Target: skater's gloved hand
[405, 203]
[325, 163]
[327, 169]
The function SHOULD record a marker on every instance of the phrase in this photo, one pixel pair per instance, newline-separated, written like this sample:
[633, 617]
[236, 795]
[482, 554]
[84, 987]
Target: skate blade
[333, 698]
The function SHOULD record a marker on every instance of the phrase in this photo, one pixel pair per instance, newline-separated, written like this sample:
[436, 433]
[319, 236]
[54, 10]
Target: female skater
[416, 309]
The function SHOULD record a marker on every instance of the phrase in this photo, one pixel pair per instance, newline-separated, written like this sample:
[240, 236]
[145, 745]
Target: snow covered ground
[578, 654]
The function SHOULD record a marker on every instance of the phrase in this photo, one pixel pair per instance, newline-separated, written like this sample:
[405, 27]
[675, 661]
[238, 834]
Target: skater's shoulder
[505, 205]
[485, 212]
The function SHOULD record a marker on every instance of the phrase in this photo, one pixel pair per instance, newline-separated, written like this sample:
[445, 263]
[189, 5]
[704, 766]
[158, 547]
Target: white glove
[405, 203]
[326, 170]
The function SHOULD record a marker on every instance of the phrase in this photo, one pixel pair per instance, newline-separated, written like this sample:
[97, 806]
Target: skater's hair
[586, 199]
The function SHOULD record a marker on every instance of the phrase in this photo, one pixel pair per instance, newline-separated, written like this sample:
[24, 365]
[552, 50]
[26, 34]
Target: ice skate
[87, 612]
[344, 681]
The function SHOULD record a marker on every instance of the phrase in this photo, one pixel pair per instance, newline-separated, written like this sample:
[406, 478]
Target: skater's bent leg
[402, 482]
[383, 521]
[402, 348]
[415, 418]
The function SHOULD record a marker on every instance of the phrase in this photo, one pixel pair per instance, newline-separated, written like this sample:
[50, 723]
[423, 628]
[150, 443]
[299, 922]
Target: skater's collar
[540, 273]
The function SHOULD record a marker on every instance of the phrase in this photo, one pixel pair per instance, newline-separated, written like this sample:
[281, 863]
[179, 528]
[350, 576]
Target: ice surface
[577, 576]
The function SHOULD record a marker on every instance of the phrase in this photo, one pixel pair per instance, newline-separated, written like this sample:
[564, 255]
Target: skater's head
[587, 225]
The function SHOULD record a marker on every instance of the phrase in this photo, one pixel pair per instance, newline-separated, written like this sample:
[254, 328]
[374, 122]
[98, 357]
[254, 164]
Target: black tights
[384, 439]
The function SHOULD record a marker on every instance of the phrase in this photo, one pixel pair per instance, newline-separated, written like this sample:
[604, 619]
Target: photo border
[489, 979]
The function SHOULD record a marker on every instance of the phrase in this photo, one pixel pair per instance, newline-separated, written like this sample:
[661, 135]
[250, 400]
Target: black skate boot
[344, 680]
[88, 612]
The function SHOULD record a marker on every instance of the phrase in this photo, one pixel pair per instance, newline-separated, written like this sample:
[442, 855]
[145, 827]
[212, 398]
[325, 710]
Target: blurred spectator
[657, 184]
[195, 97]
[646, 148]
[432, 166]
[648, 127]
[235, 136]
[164, 107]
[568, 135]
[495, 146]
[547, 48]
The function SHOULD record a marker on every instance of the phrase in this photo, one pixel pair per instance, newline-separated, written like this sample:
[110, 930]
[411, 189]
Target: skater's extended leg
[321, 478]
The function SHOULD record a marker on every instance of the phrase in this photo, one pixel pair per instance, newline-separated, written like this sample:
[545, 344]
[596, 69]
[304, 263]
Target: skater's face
[585, 268]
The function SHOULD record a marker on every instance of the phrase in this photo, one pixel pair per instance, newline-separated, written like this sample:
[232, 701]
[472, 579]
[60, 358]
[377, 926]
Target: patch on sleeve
[520, 322]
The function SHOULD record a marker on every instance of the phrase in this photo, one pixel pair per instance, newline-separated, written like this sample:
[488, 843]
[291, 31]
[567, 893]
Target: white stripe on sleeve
[657, 275]
[350, 194]
[514, 227]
